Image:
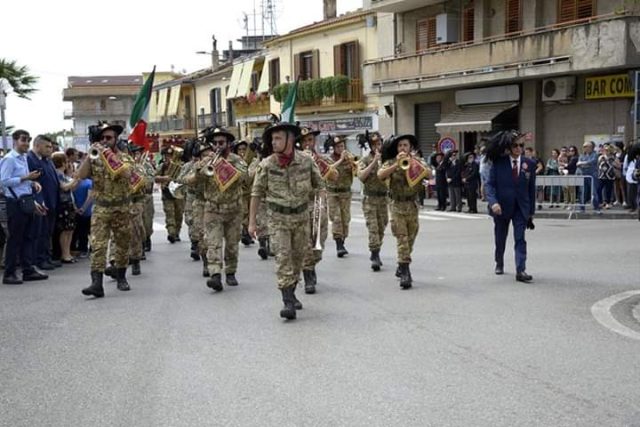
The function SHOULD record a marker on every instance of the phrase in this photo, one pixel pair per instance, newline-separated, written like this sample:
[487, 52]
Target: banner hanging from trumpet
[416, 172]
[113, 164]
[225, 174]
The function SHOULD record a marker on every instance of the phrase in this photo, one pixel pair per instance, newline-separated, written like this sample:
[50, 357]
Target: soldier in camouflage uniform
[241, 149]
[149, 210]
[339, 194]
[110, 211]
[374, 203]
[262, 217]
[188, 191]
[136, 209]
[222, 212]
[173, 207]
[404, 206]
[318, 211]
[287, 179]
[201, 151]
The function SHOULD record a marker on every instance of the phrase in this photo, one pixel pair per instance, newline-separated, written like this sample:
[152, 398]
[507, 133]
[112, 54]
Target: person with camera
[20, 185]
[110, 170]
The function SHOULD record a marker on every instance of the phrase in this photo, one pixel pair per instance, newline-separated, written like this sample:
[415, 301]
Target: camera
[94, 132]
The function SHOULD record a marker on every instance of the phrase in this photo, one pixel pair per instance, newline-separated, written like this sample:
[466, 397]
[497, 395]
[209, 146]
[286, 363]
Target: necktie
[514, 170]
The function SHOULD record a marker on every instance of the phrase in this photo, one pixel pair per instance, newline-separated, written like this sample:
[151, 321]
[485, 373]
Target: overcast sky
[62, 38]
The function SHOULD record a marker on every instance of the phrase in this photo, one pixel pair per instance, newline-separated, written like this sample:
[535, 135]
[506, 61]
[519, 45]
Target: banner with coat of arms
[225, 174]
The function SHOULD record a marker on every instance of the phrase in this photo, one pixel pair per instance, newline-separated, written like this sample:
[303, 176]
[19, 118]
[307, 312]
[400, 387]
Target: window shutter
[567, 10]
[315, 64]
[422, 34]
[355, 52]
[296, 67]
[513, 24]
[468, 23]
[337, 60]
[584, 9]
[431, 34]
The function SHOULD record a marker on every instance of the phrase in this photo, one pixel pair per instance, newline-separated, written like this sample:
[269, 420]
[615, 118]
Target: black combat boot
[296, 303]
[171, 238]
[123, 285]
[341, 250]
[215, 282]
[289, 310]
[309, 282]
[231, 279]
[405, 276]
[195, 255]
[135, 267]
[147, 245]
[375, 260]
[269, 250]
[246, 237]
[263, 251]
[398, 271]
[96, 288]
[205, 267]
[111, 270]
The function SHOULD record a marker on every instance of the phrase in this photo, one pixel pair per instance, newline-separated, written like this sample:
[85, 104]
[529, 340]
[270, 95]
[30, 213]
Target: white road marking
[457, 215]
[601, 311]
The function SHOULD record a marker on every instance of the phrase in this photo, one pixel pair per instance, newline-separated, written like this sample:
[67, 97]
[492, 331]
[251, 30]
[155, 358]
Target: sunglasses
[106, 138]
[517, 145]
[219, 142]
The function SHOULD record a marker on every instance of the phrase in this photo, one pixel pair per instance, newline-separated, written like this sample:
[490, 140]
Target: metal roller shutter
[427, 115]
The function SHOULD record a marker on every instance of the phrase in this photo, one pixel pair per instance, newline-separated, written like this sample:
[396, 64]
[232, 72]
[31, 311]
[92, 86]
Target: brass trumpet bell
[94, 153]
[404, 164]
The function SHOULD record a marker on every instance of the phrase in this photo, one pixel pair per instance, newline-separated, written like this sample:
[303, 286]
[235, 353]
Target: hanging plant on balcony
[306, 91]
[275, 91]
[316, 89]
[327, 87]
[284, 91]
[340, 85]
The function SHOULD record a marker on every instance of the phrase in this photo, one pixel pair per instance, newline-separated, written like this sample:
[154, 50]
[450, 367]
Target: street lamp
[3, 106]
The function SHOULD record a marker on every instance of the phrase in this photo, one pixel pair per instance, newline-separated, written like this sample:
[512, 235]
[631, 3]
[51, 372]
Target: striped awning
[235, 80]
[478, 118]
[244, 85]
[174, 100]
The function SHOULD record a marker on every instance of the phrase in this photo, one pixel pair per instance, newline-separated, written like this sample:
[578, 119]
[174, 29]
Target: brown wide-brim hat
[211, 132]
[116, 128]
[304, 131]
[268, 134]
[238, 144]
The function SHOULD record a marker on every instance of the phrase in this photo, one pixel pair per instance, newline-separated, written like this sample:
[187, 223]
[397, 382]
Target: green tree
[19, 78]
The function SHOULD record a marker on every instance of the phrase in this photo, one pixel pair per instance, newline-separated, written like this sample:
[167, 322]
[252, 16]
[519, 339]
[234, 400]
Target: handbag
[26, 203]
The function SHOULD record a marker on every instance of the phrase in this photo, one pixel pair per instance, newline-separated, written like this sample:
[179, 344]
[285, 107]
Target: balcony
[244, 108]
[352, 99]
[399, 6]
[171, 124]
[79, 113]
[579, 47]
[219, 118]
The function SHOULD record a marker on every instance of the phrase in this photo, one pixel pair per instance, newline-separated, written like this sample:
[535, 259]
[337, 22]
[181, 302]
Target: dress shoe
[523, 277]
[46, 266]
[499, 270]
[33, 275]
[56, 263]
[11, 279]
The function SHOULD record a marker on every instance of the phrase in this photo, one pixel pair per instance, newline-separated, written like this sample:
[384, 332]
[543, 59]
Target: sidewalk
[546, 212]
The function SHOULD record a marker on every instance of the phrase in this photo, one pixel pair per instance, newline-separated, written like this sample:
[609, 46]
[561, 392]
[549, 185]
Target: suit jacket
[454, 172]
[509, 193]
[48, 180]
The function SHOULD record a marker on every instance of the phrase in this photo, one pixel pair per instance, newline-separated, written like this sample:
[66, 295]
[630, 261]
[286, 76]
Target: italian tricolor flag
[140, 114]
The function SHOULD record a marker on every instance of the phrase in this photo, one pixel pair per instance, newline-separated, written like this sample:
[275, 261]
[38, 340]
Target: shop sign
[341, 125]
[612, 86]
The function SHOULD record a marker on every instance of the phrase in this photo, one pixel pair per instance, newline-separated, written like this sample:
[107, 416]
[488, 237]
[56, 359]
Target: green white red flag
[140, 113]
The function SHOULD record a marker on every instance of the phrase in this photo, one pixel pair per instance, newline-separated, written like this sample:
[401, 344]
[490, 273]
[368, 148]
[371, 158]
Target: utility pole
[3, 124]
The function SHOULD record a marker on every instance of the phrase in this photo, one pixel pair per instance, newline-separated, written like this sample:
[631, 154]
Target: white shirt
[631, 167]
[511, 159]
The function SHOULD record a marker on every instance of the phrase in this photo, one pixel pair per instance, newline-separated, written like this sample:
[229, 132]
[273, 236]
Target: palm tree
[18, 77]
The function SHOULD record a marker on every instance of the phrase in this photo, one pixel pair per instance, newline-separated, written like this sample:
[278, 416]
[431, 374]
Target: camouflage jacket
[345, 174]
[372, 183]
[107, 187]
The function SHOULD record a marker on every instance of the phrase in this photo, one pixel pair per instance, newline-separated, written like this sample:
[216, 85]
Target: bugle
[318, 202]
[209, 168]
[404, 163]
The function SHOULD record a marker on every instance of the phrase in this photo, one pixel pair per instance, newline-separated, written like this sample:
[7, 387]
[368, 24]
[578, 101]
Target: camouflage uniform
[404, 212]
[189, 196]
[287, 192]
[339, 199]
[173, 207]
[110, 215]
[149, 210]
[374, 204]
[312, 256]
[136, 210]
[222, 214]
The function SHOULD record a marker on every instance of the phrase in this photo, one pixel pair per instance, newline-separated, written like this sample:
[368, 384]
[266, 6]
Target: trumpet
[94, 152]
[209, 168]
[404, 163]
[318, 202]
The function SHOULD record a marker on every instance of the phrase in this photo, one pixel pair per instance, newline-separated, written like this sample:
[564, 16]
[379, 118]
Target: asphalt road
[462, 348]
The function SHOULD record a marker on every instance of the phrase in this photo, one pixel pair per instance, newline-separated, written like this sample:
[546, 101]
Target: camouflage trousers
[173, 211]
[137, 230]
[197, 227]
[404, 226]
[104, 222]
[245, 210]
[312, 256]
[376, 215]
[291, 240]
[340, 213]
[188, 212]
[262, 220]
[147, 215]
[222, 233]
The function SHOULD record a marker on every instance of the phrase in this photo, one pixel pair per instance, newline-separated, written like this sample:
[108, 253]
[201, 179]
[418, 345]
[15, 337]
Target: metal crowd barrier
[556, 184]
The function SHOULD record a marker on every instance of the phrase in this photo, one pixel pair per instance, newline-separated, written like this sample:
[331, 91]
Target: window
[215, 99]
[573, 10]
[425, 33]
[468, 18]
[346, 59]
[103, 104]
[274, 73]
[513, 16]
[306, 65]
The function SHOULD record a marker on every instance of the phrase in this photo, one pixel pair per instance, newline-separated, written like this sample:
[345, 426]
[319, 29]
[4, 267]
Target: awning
[153, 107]
[263, 87]
[235, 79]
[174, 100]
[478, 118]
[245, 80]
[162, 103]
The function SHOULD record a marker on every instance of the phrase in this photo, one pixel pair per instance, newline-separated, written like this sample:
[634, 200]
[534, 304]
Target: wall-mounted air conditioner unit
[446, 28]
[559, 89]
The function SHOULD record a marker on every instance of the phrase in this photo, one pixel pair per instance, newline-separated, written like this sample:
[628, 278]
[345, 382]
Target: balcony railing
[171, 124]
[244, 108]
[579, 46]
[219, 118]
[352, 98]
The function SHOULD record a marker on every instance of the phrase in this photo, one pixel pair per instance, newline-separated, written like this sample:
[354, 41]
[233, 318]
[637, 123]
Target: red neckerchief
[284, 160]
[336, 157]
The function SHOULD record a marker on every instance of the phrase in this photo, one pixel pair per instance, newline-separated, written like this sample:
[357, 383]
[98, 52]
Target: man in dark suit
[511, 190]
[40, 159]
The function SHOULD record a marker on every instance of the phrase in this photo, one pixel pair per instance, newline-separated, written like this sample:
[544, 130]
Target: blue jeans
[606, 191]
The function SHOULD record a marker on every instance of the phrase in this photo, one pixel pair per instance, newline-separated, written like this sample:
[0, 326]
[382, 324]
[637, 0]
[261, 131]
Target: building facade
[555, 69]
